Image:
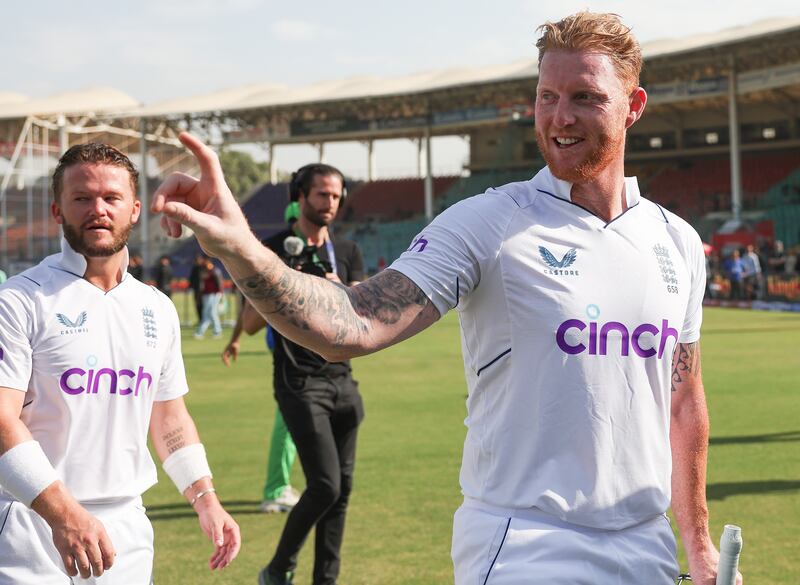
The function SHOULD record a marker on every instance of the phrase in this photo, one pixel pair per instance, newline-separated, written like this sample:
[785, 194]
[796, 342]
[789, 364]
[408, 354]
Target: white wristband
[186, 465]
[25, 471]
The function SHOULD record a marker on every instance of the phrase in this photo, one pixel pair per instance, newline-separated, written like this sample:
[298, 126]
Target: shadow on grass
[768, 438]
[180, 510]
[217, 354]
[742, 330]
[720, 491]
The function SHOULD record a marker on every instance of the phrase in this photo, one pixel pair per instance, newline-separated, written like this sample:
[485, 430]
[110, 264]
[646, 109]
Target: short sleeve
[445, 259]
[696, 263]
[172, 382]
[16, 333]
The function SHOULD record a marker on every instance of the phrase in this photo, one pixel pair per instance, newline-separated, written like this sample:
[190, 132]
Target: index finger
[106, 550]
[209, 162]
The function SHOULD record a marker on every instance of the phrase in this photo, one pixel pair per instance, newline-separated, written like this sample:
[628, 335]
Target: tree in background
[242, 173]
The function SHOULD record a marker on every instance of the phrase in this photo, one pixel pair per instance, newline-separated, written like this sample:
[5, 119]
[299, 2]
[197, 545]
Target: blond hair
[597, 32]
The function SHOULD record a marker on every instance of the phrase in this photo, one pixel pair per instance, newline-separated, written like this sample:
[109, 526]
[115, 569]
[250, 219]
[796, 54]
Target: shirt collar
[563, 189]
[73, 262]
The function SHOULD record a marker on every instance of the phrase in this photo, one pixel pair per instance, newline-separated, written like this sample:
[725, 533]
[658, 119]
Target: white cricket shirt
[91, 364]
[568, 326]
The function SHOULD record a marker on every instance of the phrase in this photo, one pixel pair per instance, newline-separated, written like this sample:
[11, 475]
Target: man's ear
[55, 211]
[636, 104]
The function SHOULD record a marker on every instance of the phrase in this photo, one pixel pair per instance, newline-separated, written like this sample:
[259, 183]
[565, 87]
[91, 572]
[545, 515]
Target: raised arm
[335, 321]
[689, 440]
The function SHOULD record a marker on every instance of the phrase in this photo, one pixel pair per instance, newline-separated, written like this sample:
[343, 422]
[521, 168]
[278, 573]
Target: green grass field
[406, 487]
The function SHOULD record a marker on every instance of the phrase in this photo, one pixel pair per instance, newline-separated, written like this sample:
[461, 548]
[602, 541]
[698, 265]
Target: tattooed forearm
[308, 302]
[174, 440]
[685, 363]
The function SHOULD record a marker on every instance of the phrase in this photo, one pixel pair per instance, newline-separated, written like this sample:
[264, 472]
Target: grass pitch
[406, 482]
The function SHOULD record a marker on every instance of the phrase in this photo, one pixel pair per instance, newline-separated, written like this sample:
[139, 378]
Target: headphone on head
[302, 177]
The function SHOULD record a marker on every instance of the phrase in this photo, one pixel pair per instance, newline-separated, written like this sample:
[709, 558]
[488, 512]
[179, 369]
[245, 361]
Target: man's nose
[99, 207]
[564, 114]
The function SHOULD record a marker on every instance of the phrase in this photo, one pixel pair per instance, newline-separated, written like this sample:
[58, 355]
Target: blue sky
[155, 50]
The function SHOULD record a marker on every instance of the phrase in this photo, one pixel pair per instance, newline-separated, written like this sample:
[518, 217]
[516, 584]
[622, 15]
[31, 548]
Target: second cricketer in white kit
[90, 360]
[580, 310]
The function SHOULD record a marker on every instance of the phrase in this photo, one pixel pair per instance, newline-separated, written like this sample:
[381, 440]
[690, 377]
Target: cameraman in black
[319, 400]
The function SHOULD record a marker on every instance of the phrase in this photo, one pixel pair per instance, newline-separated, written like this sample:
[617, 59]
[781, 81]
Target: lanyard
[331, 254]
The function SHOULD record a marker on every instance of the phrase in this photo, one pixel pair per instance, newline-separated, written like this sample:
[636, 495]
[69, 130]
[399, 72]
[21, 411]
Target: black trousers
[322, 415]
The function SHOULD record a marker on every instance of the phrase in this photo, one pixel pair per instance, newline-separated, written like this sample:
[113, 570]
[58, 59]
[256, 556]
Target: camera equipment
[304, 258]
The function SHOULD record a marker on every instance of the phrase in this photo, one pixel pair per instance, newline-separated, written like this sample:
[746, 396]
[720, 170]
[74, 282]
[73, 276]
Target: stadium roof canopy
[667, 58]
[97, 100]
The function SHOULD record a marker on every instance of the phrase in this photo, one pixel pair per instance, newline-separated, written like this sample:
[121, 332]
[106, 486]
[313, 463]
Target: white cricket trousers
[499, 546]
[28, 556]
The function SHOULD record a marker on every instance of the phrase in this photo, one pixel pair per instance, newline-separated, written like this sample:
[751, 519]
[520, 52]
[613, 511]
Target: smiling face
[97, 208]
[582, 112]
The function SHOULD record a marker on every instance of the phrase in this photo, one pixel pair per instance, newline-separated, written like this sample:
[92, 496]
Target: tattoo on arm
[385, 297]
[686, 363]
[301, 298]
[174, 440]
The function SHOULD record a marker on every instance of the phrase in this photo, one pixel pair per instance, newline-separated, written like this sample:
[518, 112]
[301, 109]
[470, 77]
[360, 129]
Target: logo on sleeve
[556, 266]
[668, 274]
[420, 244]
[149, 323]
[76, 326]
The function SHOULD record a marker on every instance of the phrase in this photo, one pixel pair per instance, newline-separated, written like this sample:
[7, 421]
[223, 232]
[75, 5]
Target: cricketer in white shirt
[90, 361]
[568, 328]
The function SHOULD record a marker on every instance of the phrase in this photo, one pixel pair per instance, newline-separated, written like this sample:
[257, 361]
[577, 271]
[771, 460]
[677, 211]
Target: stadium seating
[692, 188]
[393, 199]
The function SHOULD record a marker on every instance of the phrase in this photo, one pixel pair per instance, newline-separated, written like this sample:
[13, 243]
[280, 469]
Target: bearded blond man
[580, 304]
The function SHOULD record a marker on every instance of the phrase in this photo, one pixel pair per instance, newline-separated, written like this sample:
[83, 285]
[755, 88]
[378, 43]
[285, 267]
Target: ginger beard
[607, 147]
[76, 237]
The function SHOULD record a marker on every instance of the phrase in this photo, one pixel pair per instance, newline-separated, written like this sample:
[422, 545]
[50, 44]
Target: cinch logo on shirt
[123, 382]
[598, 337]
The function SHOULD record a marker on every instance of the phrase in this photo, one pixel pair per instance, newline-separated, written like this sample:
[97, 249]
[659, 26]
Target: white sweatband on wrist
[186, 465]
[25, 471]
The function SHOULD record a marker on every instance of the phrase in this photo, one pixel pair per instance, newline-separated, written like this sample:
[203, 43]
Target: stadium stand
[696, 186]
[392, 199]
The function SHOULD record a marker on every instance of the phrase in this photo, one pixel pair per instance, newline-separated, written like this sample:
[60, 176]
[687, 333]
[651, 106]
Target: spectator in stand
[196, 284]
[734, 269]
[752, 273]
[777, 260]
[136, 267]
[163, 275]
[211, 282]
[791, 262]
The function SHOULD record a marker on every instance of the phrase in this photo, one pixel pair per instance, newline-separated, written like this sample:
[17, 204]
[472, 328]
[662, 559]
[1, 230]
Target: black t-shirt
[292, 359]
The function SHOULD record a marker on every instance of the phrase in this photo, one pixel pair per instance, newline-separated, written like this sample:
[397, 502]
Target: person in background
[196, 284]
[211, 287]
[734, 270]
[163, 275]
[278, 494]
[752, 273]
[136, 267]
